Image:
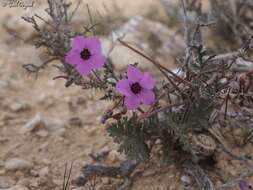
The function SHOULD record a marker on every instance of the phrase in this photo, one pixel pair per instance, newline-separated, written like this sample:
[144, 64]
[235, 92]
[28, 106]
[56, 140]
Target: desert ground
[34, 156]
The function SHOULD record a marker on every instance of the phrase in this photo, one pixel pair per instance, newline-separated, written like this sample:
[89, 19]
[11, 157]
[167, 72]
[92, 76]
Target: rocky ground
[44, 126]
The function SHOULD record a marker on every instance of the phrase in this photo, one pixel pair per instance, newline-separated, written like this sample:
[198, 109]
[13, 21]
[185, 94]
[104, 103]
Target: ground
[73, 131]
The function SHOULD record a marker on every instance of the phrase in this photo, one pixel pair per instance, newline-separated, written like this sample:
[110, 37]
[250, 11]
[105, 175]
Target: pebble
[33, 124]
[113, 156]
[6, 182]
[153, 38]
[34, 173]
[185, 179]
[19, 106]
[44, 172]
[38, 122]
[57, 182]
[75, 121]
[46, 161]
[24, 182]
[42, 133]
[15, 164]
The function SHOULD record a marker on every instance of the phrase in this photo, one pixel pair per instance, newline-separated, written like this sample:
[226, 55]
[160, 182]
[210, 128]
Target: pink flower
[244, 185]
[137, 88]
[85, 54]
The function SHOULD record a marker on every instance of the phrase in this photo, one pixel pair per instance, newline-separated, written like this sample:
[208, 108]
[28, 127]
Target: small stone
[54, 125]
[6, 182]
[106, 180]
[19, 106]
[57, 182]
[46, 161]
[3, 84]
[15, 164]
[185, 179]
[39, 122]
[36, 122]
[3, 140]
[1, 163]
[2, 172]
[42, 133]
[147, 173]
[44, 146]
[44, 172]
[24, 182]
[75, 121]
[61, 133]
[34, 173]
[113, 156]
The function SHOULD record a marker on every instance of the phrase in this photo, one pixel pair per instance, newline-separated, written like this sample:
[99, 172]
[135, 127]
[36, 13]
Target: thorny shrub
[205, 94]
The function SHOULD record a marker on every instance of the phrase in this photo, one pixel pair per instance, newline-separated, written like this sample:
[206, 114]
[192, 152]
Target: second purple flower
[137, 88]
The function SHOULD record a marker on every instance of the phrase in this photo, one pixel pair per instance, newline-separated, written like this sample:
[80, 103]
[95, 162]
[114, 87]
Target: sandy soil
[63, 141]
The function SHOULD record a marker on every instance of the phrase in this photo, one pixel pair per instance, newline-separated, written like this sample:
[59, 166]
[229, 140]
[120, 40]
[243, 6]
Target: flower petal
[133, 74]
[123, 87]
[84, 69]
[147, 97]
[244, 185]
[147, 81]
[78, 43]
[73, 58]
[131, 102]
[97, 61]
[93, 44]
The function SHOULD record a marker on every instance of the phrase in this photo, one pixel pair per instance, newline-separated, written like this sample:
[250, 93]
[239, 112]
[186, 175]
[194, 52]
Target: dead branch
[123, 172]
[199, 175]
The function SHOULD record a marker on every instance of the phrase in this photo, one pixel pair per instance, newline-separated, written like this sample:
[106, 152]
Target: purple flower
[244, 185]
[137, 88]
[85, 54]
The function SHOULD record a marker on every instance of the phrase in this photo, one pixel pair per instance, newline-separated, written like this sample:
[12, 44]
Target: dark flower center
[136, 88]
[85, 54]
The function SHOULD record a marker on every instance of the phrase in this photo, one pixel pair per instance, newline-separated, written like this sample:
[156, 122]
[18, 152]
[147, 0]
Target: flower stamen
[85, 54]
[136, 88]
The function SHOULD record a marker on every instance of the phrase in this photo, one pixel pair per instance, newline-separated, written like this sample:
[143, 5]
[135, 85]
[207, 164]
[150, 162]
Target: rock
[15, 164]
[61, 133]
[57, 182]
[3, 84]
[24, 182]
[17, 187]
[2, 172]
[42, 133]
[114, 156]
[44, 172]
[46, 161]
[153, 38]
[185, 179]
[149, 172]
[54, 124]
[75, 121]
[6, 182]
[39, 122]
[33, 124]
[43, 147]
[34, 173]
[3, 140]
[19, 106]
[1, 162]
